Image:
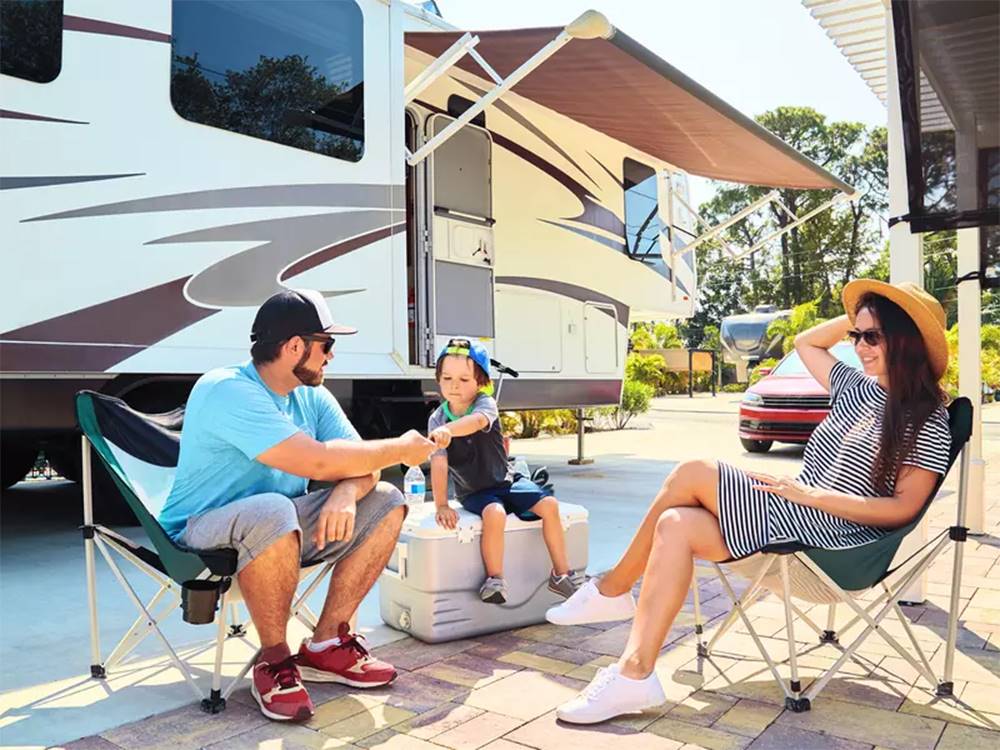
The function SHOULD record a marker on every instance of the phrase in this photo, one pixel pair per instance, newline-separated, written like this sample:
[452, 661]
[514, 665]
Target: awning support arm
[835, 200]
[462, 46]
[722, 226]
[714, 232]
[502, 87]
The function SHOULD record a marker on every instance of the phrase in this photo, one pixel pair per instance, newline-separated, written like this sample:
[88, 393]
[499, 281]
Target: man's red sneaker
[348, 662]
[279, 691]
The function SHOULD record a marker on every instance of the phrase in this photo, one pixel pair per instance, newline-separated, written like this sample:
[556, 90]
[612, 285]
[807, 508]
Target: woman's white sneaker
[612, 694]
[589, 605]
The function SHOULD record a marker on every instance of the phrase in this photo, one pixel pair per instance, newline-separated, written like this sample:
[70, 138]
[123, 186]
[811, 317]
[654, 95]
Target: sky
[754, 54]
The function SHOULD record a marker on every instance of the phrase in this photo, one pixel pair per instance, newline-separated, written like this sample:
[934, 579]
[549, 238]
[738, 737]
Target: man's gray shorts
[253, 524]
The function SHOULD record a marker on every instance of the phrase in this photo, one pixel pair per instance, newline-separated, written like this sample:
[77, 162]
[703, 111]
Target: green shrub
[732, 388]
[533, 422]
[803, 317]
[989, 359]
[649, 369]
[642, 338]
[635, 400]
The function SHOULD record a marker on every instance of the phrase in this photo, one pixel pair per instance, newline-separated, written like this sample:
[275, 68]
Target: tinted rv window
[31, 39]
[642, 225]
[288, 72]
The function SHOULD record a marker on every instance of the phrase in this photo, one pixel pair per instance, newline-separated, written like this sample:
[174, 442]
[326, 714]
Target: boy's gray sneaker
[493, 590]
[566, 585]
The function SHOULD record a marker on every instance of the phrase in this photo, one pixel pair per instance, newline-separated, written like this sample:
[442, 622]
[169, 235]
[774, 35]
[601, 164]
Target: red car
[786, 404]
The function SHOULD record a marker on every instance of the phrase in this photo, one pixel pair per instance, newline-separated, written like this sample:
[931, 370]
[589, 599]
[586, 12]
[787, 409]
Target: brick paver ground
[499, 692]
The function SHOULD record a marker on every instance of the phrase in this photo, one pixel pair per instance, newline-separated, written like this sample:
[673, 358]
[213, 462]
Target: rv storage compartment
[430, 588]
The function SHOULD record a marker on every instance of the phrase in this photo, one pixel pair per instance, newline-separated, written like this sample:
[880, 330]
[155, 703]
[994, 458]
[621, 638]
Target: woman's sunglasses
[872, 336]
[326, 341]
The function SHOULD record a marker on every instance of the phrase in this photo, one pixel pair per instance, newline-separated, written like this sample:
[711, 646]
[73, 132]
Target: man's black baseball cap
[295, 312]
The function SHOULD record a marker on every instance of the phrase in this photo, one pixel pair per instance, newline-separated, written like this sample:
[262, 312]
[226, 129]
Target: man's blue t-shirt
[231, 418]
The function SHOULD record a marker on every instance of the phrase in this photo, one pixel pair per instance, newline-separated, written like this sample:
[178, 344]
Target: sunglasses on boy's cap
[297, 312]
[467, 348]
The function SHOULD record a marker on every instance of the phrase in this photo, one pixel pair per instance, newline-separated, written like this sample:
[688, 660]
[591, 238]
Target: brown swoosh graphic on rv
[524, 122]
[93, 26]
[102, 335]
[349, 195]
[247, 278]
[129, 324]
[581, 293]
[9, 114]
[593, 214]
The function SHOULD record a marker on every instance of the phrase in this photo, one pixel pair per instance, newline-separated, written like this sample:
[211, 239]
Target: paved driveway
[499, 691]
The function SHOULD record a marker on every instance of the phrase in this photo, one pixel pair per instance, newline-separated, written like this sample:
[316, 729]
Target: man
[254, 435]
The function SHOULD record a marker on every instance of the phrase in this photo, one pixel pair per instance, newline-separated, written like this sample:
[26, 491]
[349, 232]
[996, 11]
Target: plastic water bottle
[414, 485]
[521, 467]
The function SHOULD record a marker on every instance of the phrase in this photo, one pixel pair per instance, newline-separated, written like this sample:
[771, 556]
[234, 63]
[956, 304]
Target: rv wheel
[756, 446]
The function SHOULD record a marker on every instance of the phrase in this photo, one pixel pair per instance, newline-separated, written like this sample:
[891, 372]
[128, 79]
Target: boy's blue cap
[468, 348]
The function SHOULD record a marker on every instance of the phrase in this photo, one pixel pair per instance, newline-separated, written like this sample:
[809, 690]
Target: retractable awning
[618, 87]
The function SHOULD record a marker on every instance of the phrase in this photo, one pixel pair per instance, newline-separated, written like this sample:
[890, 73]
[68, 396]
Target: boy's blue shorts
[517, 498]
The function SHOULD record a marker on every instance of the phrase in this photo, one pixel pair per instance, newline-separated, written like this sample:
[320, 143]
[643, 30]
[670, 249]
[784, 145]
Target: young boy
[466, 429]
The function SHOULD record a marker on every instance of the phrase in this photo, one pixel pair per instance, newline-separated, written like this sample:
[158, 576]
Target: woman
[867, 468]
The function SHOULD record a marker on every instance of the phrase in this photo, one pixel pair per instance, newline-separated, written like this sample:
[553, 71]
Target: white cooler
[430, 588]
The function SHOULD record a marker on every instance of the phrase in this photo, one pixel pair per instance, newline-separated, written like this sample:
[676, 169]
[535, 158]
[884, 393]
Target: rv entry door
[462, 232]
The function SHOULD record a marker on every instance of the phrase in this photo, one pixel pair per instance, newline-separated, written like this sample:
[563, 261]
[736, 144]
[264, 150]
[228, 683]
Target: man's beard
[304, 374]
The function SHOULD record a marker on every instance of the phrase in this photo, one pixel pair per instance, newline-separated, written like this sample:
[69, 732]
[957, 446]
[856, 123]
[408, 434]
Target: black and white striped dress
[839, 456]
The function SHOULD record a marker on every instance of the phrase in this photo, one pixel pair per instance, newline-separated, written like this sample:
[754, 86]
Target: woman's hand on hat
[790, 489]
[441, 437]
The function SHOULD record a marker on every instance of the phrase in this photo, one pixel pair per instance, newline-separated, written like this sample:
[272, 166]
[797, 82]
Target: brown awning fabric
[619, 88]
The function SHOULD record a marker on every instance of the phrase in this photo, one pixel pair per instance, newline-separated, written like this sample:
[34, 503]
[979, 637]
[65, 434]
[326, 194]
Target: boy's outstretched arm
[467, 425]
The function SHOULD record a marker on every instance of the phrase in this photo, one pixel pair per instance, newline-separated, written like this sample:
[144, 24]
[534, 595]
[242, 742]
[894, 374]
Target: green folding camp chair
[832, 577]
[140, 451]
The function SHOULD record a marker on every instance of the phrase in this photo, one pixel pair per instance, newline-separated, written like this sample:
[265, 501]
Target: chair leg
[699, 625]
[738, 607]
[97, 669]
[830, 634]
[127, 587]
[215, 703]
[795, 703]
[236, 628]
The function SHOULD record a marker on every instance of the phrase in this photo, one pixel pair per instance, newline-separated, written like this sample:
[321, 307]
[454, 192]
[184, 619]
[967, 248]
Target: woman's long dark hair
[913, 395]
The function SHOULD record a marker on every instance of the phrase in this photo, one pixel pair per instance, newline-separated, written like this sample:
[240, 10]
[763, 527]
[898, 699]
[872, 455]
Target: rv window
[642, 223]
[31, 39]
[288, 72]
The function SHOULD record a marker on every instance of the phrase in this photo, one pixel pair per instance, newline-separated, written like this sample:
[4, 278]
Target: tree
[286, 99]
[813, 261]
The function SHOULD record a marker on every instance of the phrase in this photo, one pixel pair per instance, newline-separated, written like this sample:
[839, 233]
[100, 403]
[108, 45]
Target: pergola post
[906, 251]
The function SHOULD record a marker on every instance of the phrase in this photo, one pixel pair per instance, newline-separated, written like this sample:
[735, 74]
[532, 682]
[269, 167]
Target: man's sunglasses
[872, 336]
[326, 341]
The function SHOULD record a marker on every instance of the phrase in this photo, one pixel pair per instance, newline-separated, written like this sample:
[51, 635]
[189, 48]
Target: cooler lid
[421, 523]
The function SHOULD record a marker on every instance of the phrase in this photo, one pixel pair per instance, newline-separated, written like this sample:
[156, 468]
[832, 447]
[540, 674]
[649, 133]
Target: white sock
[317, 647]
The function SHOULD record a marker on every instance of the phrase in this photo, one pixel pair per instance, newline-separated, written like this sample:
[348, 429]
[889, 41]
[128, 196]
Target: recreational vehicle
[169, 165]
[745, 341]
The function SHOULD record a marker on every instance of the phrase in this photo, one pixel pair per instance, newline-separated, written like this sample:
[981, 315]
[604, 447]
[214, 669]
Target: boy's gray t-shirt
[477, 461]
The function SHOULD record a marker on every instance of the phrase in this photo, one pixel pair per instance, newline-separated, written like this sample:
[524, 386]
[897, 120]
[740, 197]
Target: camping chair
[832, 577]
[140, 452]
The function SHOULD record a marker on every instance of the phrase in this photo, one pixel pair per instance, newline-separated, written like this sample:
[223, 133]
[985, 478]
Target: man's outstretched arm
[341, 459]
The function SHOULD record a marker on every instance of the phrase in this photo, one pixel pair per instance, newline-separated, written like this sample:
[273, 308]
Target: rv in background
[745, 341]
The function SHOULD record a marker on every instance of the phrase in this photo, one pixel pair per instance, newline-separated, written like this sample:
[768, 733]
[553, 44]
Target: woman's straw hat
[925, 311]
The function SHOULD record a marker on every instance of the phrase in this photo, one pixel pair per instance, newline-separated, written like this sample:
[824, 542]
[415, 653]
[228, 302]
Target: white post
[906, 252]
[970, 320]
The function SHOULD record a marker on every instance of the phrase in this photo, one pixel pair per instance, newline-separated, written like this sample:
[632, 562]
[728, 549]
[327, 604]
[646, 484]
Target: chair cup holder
[200, 600]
